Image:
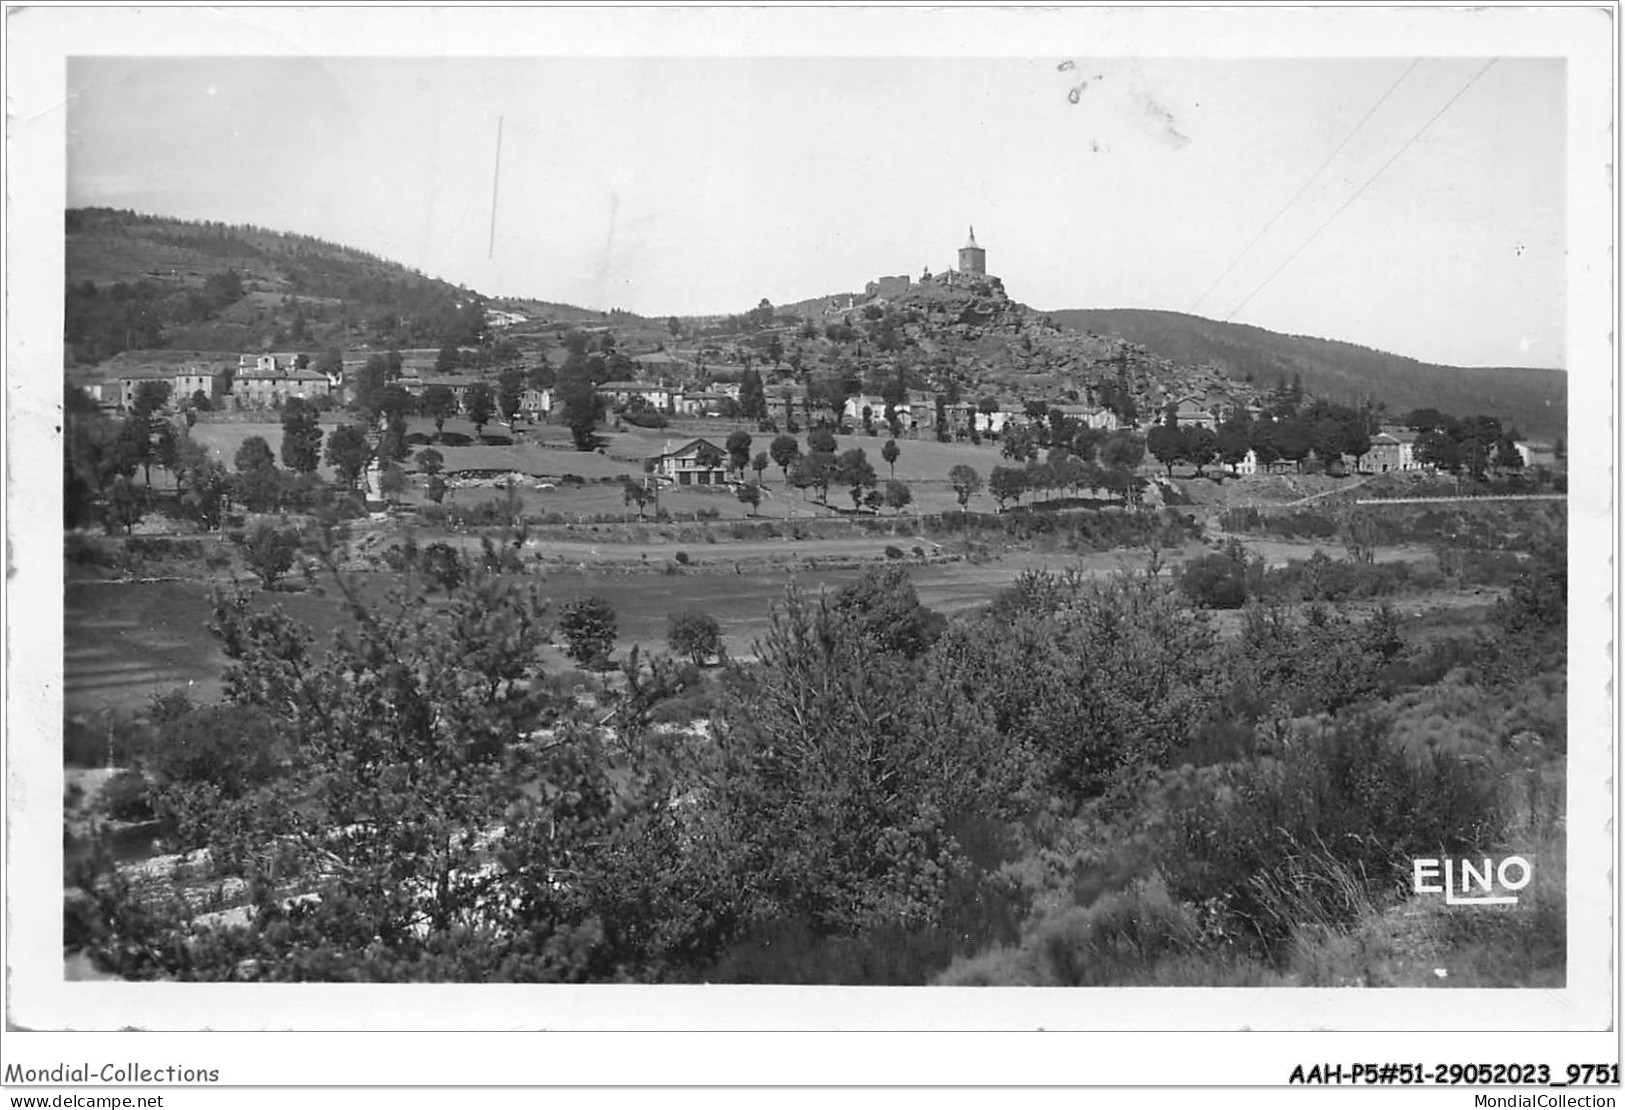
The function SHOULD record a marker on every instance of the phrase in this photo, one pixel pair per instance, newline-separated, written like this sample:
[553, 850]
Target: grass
[126, 641]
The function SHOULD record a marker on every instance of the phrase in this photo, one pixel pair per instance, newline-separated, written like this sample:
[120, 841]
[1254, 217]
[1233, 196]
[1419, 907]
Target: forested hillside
[1536, 401]
[136, 282]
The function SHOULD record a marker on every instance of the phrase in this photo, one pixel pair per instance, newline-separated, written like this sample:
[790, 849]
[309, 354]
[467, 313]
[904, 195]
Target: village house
[958, 417]
[104, 393]
[703, 403]
[1189, 413]
[658, 397]
[536, 403]
[197, 377]
[1091, 416]
[418, 384]
[265, 383]
[1392, 450]
[853, 409]
[1248, 466]
[683, 466]
[130, 382]
[1536, 454]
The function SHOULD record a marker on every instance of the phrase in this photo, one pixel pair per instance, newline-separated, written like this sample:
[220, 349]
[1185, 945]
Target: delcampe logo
[1498, 883]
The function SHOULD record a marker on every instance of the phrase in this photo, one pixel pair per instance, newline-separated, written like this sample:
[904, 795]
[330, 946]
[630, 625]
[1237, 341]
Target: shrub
[681, 557]
[589, 628]
[269, 550]
[1214, 582]
[125, 797]
[1332, 821]
[694, 635]
[894, 552]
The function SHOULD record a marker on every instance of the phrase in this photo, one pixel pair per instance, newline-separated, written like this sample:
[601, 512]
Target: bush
[589, 628]
[694, 635]
[125, 797]
[681, 557]
[1214, 582]
[1332, 821]
[894, 552]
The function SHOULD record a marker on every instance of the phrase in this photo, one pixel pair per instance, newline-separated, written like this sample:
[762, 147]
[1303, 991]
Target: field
[129, 640]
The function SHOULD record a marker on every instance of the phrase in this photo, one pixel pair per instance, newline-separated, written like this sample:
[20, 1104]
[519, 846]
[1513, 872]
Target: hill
[138, 282]
[1534, 400]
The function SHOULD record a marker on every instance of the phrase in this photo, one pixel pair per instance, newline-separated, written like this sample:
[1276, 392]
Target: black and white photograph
[1091, 517]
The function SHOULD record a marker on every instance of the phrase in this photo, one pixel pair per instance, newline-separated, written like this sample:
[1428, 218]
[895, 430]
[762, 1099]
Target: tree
[440, 839]
[253, 453]
[135, 443]
[898, 495]
[431, 461]
[479, 405]
[510, 394]
[1122, 451]
[370, 384]
[890, 453]
[889, 614]
[150, 396]
[1294, 440]
[817, 470]
[269, 551]
[581, 406]
[392, 445]
[1166, 444]
[259, 483]
[448, 359]
[784, 450]
[348, 453]
[301, 436]
[435, 488]
[694, 635]
[589, 629]
[124, 506]
[1437, 449]
[1231, 443]
[1020, 444]
[638, 494]
[674, 326]
[966, 483]
[833, 747]
[439, 403]
[205, 485]
[1007, 483]
[392, 481]
[1507, 455]
[1201, 447]
[758, 463]
[738, 445]
[752, 396]
[854, 471]
[750, 494]
[708, 457]
[821, 439]
[331, 363]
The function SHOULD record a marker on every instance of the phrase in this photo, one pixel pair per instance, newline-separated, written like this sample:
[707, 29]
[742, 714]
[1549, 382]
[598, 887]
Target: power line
[1471, 81]
[1304, 187]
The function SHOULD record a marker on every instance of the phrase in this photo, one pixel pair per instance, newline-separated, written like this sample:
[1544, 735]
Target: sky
[1414, 205]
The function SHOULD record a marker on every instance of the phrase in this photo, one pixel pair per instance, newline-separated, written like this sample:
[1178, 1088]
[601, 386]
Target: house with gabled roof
[685, 466]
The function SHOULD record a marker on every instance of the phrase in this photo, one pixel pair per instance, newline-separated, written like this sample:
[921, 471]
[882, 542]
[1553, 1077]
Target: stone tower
[972, 258]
